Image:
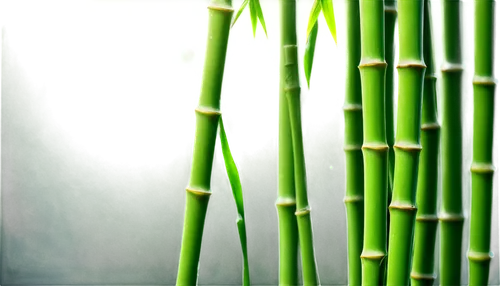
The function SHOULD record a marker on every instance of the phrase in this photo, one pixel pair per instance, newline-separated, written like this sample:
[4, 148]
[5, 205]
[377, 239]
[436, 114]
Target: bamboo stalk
[286, 202]
[353, 141]
[207, 119]
[451, 214]
[391, 15]
[289, 55]
[375, 150]
[407, 147]
[482, 162]
[426, 221]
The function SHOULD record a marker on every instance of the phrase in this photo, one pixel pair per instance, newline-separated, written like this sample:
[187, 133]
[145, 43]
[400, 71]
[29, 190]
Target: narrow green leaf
[234, 180]
[327, 8]
[253, 16]
[309, 54]
[313, 16]
[260, 15]
[243, 5]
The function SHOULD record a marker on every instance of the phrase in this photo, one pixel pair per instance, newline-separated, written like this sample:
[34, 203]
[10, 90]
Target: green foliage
[326, 8]
[256, 15]
[234, 180]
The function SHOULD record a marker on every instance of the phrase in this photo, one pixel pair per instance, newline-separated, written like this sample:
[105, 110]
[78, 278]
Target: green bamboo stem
[390, 13]
[375, 150]
[390, 24]
[451, 214]
[207, 119]
[286, 202]
[407, 147]
[289, 55]
[482, 158]
[427, 221]
[353, 141]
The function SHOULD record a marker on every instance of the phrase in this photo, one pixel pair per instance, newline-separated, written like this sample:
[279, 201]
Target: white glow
[136, 43]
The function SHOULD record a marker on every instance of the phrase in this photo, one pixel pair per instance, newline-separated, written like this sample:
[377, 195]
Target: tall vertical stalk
[451, 215]
[353, 141]
[375, 150]
[407, 147]
[286, 202]
[291, 87]
[426, 221]
[390, 25]
[207, 119]
[482, 164]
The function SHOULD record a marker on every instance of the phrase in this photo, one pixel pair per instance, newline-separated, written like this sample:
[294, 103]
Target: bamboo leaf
[261, 16]
[243, 5]
[313, 16]
[253, 16]
[234, 180]
[309, 54]
[327, 8]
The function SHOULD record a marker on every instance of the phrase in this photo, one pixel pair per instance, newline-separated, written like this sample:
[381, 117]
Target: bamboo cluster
[388, 178]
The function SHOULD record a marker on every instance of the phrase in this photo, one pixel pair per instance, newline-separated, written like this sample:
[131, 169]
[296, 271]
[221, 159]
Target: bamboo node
[430, 76]
[451, 67]
[406, 146]
[222, 8]
[430, 126]
[209, 111]
[352, 147]
[303, 212]
[411, 64]
[451, 217]
[198, 192]
[291, 88]
[482, 168]
[479, 256]
[395, 205]
[427, 218]
[365, 63]
[286, 202]
[353, 107]
[372, 255]
[290, 57]
[423, 276]
[390, 9]
[375, 146]
[353, 199]
[484, 80]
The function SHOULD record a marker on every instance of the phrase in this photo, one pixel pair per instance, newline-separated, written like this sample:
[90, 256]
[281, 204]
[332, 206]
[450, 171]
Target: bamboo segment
[375, 150]
[390, 12]
[407, 147]
[482, 164]
[390, 24]
[289, 55]
[353, 117]
[207, 119]
[451, 214]
[286, 203]
[427, 221]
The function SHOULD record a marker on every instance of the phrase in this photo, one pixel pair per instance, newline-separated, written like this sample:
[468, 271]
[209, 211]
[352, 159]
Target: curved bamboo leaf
[234, 180]
[253, 15]
[260, 16]
[309, 54]
[313, 16]
[327, 8]
[243, 5]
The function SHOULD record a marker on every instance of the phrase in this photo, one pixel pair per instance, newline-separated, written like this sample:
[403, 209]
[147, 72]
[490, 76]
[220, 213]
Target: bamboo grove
[392, 165]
